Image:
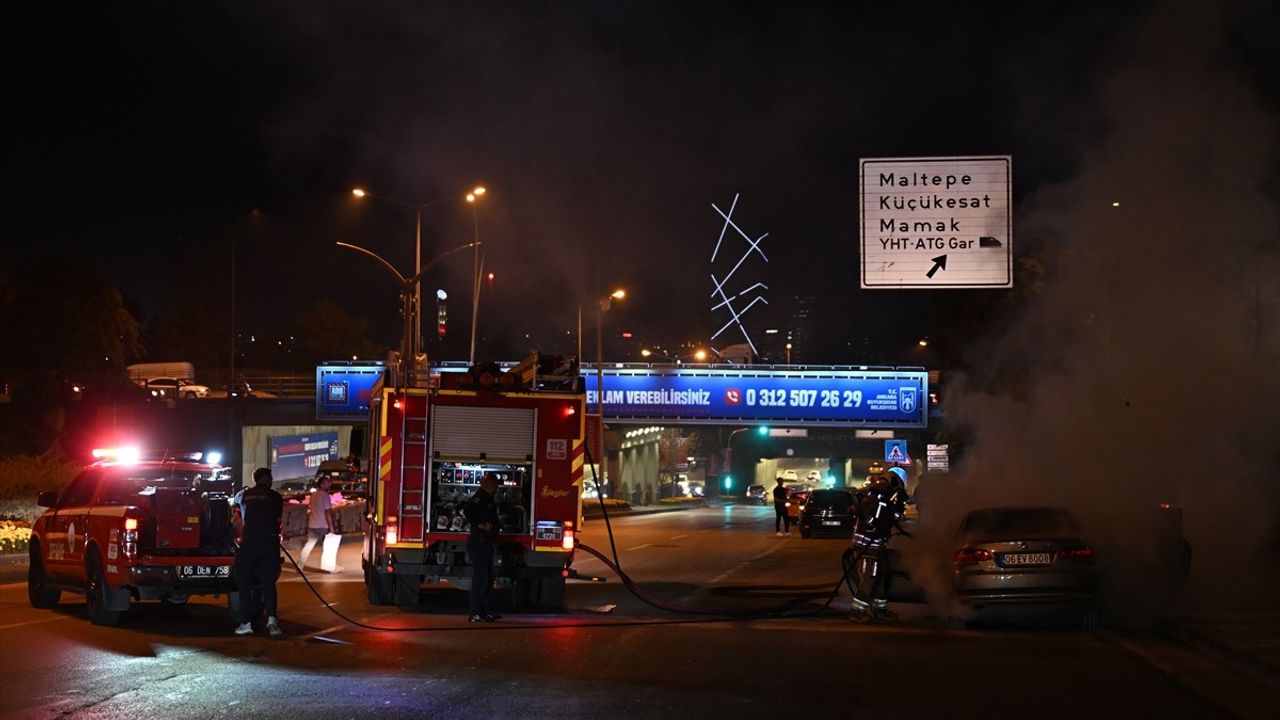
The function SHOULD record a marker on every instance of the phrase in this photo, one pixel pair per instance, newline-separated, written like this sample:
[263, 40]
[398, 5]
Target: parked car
[827, 512]
[352, 483]
[170, 387]
[757, 494]
[241, 390]
[1026, 555]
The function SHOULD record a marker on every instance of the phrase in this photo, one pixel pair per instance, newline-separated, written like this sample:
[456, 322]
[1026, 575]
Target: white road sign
[934, 223]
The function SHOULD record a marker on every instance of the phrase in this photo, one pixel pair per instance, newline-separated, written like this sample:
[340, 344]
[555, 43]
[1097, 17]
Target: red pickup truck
[128, 528]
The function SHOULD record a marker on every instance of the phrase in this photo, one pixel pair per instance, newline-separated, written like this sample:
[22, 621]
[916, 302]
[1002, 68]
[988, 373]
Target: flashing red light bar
[124, 454]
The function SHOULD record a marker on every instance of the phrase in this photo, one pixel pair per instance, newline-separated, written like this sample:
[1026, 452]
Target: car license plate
[204, 571]
[1027, 559]
[831, 522]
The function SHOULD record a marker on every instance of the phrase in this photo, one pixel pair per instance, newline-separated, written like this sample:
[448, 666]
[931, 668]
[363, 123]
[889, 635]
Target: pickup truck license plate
[1027, 559]
[204, 571]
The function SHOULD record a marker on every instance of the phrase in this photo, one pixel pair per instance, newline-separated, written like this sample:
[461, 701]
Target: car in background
[293, 489]
[1025, 556]
[241, 390]
[757, 494]
[171, 387]
[827, 512]
[790, 475]
[795, 503]
[813, 476]
[352, 483]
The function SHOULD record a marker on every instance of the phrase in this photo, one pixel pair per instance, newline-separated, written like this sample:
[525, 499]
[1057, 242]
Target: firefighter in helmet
[878, 512]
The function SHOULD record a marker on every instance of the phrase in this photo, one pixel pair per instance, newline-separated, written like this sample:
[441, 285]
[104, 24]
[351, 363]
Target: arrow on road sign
[939, 263]
[988, 241]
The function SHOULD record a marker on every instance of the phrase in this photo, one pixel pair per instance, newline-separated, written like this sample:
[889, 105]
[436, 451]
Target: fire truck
[433, 444]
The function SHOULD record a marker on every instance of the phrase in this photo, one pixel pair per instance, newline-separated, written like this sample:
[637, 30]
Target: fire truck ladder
[413, 469]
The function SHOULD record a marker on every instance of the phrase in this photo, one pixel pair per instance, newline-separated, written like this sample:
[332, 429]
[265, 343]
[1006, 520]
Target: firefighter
[878, 512]
[481, 512]
[262, 510]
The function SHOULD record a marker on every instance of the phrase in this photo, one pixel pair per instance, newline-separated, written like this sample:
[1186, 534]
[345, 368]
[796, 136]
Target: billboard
[295, 457]
[343, 391]
[886, 397]
[936, 223]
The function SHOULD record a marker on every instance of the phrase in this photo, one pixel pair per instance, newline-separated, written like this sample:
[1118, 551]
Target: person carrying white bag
[320, 528]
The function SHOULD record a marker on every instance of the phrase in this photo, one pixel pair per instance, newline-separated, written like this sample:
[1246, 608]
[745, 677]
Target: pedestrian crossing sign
[895, 451]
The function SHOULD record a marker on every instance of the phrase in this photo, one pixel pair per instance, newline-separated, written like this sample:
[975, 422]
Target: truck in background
[141, 372]
[433, 444]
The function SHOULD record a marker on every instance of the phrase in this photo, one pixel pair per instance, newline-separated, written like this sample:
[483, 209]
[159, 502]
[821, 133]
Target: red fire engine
[433, 445]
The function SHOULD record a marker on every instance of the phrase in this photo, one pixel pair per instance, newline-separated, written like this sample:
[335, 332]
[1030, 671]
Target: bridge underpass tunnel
[822, 459]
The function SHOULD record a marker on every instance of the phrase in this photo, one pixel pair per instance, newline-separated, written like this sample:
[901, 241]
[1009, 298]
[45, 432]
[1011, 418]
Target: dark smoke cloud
[1145, 369]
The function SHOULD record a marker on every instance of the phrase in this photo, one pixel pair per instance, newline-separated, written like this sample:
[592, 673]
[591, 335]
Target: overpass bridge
[839, 415]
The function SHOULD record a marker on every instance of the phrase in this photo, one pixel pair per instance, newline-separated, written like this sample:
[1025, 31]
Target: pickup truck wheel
[189, 396]
[379, 586]
[39, 593]
[97, 594]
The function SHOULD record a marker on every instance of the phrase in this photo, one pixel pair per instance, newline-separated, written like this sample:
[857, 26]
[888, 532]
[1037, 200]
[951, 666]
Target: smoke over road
[1144, 368]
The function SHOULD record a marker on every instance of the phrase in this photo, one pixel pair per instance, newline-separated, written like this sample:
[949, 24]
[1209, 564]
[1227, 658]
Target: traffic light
[762, 431]
[728, 482]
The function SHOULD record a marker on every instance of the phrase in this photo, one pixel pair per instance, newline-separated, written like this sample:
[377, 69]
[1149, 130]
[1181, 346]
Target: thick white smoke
[1146, 367]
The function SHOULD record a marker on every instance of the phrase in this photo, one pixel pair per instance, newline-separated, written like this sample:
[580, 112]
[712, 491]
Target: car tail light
[1078, 552]
[129, 538]
[972, 556]
[393, 534]
[567, 543]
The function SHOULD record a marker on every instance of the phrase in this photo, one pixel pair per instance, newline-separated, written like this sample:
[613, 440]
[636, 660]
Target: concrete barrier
[349, 518]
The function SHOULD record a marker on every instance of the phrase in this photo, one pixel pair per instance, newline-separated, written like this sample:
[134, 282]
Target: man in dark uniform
[482, 514]
[781, 519]
[261, 510]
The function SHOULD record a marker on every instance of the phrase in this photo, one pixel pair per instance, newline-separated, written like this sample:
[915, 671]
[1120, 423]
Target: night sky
[141, 132]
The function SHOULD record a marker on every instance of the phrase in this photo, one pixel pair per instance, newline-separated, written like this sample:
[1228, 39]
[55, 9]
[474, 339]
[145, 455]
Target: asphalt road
[593, 661]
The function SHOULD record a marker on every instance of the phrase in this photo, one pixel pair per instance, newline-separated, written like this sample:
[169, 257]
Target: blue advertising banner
[297, 456]
[865, 398]
[343, 391]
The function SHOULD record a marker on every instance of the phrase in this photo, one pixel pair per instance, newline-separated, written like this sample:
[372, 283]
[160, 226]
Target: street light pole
[408, 286]
[415, 344]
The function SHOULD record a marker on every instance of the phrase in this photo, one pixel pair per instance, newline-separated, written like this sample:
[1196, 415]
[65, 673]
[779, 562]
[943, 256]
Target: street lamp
[788, 353]
[410, 289]
[361, 193]
[473, 199]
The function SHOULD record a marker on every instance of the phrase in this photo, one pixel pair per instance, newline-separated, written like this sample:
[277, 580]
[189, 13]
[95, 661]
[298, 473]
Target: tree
[64, 322]
[327, 332]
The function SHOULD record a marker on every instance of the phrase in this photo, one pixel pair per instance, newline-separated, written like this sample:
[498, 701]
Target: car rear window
[1029, 522]
[830, 498]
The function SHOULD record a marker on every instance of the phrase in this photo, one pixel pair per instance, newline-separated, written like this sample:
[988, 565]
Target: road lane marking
[677, 537]
[33, 622]
[639, 547]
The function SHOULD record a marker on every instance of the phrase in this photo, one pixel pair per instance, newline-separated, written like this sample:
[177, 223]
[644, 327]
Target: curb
[1201, 637]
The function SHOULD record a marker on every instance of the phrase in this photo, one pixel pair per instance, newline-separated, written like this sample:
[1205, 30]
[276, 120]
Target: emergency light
[121, 455]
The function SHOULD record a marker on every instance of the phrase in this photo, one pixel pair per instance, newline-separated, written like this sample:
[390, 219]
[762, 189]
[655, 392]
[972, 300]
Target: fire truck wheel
[38, 592]
[407, 590]
[541, 592]
[379, 587]
[99, 595]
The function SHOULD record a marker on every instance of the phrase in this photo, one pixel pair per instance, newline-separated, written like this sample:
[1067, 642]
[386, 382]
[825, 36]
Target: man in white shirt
[319, 518]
